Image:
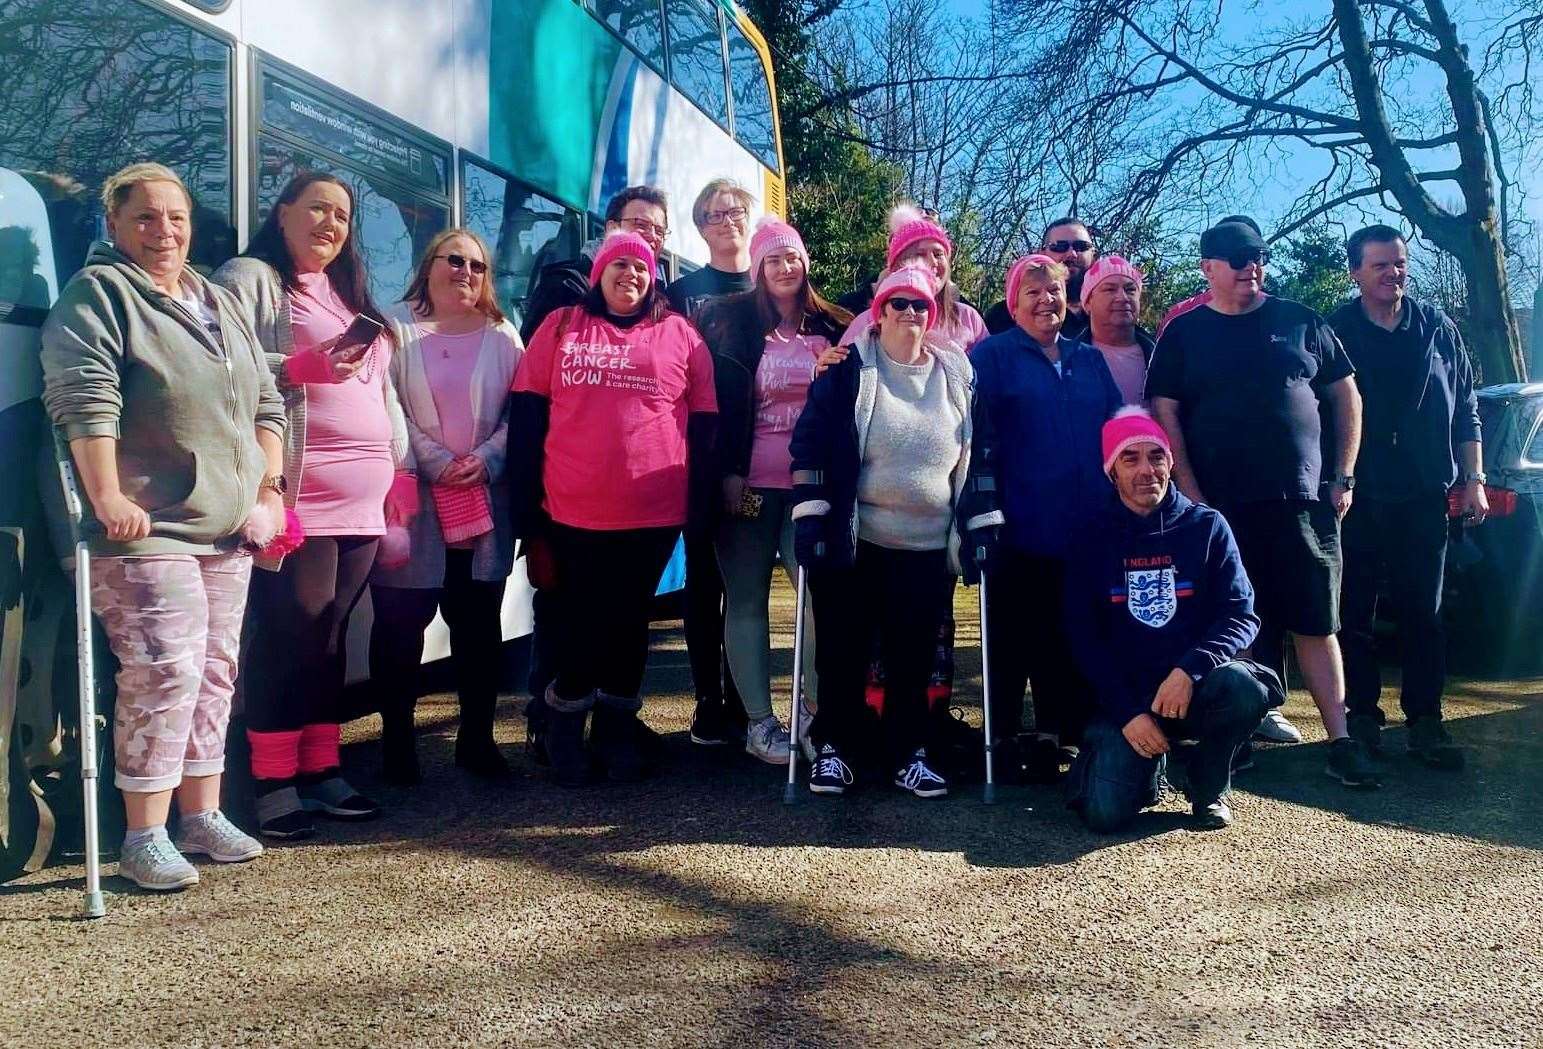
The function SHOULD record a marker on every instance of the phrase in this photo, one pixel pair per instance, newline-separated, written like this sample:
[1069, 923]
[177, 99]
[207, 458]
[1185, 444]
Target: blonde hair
[418, 291]
[712, 189]
[120, 184]
[1054, 270]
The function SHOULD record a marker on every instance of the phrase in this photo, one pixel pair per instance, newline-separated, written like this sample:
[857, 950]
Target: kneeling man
[1158, 608]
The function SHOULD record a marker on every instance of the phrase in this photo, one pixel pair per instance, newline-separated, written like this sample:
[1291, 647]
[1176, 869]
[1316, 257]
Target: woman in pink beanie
[915, 238]
[765, 342]
[610, 426]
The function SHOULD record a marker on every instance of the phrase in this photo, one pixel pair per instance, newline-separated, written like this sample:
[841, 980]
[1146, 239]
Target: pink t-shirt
[1128, 365]
[781, 387]
[348, 466]
[962, 334]
[449, 361]
[620, 399]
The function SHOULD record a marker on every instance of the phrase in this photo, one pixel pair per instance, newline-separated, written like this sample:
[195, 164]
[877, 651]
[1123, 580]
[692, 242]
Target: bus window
[752, 99]
[696, 56]
[92, 85]
[523, 229]
[637, 22]
[399, 177]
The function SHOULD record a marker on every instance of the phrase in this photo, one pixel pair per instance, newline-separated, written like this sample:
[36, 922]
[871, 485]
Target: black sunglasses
[900, 305]
[1069, 245]
[1244, 259]
[461, 262]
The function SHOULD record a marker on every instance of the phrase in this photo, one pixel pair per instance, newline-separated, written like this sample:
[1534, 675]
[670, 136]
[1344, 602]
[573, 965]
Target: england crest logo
[1151, 596]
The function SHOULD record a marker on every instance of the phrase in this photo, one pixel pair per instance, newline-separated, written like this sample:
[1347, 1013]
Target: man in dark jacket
[1419, 438]
[1158, 607]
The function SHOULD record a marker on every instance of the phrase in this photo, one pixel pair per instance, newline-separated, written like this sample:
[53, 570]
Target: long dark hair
[818, 317]
[346, 271]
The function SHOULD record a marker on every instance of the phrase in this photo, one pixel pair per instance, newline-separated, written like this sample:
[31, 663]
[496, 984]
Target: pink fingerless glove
[402, 498]
[308, 366]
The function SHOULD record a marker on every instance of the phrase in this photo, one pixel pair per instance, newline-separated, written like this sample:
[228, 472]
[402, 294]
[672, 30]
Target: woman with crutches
[175, 427]
[764, 343]
[879, 457]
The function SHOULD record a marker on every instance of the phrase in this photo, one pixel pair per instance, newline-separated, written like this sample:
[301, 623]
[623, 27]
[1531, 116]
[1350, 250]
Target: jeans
[747, 553]
[1112, 783]
[1406, 544]
[902, 595]
[1029, 647]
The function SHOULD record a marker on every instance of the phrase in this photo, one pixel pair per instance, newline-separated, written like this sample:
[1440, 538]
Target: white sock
[144, 834]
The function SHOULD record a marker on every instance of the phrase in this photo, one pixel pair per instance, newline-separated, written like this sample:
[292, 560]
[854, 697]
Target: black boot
[475, 750]
[564, 737]
[399, 745]
[615, 737]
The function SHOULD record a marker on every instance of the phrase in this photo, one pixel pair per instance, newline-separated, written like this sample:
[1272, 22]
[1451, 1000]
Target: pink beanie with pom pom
[1131, 425]
[908, 226]
[772, 234]
[908, 280]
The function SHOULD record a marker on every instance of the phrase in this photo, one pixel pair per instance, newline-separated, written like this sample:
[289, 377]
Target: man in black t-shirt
[1421, 440]
[722, 216]
[1237, 385]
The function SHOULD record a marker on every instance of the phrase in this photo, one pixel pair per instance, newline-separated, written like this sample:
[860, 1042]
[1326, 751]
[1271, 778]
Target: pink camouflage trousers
[174, 622]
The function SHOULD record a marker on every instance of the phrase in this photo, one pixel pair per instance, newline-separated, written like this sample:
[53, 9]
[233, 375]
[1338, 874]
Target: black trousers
[299, 620]
[1405, 545]
[900, 596]
[1029, 648]
[605, 582]
[471, 609]
[710, 673]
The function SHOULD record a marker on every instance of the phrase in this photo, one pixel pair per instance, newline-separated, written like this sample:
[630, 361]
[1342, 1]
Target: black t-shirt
[1391, 371]
[689, 293]
[1248, 389]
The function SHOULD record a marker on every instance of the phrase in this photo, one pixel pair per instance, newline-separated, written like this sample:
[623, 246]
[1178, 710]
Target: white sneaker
[919, 779]
[156, 864]
[215, 836]
[1276, 729]
[768, 740]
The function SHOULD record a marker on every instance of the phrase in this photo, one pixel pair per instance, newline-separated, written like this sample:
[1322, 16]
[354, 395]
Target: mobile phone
[360, 334]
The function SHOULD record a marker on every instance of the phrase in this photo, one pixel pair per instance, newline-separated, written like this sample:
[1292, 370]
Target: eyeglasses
[461, 262]
[1244, 259]
[1069, 245]
[900, 305]
[645, 227]
[718, 218]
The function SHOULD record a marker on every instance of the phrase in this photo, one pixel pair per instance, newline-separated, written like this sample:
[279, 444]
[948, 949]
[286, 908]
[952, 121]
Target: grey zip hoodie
[123, 359]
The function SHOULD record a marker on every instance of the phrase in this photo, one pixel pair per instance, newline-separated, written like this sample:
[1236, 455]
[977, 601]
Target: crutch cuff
[990, 519]
[568, 706]
[810, 508]
[623, 704]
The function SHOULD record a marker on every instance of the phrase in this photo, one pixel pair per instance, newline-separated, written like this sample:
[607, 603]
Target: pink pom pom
[288, 541]
[902, 215]
[395, 547]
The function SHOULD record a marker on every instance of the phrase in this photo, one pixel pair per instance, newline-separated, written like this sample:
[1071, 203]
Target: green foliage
[1310, 268]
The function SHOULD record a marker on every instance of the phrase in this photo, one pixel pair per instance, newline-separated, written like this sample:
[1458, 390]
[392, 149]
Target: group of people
[1142, 570]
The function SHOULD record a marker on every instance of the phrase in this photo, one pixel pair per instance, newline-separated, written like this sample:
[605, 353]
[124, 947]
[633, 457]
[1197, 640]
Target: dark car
[1494, 595]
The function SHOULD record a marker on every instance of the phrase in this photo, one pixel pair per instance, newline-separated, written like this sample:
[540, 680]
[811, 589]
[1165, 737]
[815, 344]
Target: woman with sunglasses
[457, 356]
[1040, 406]
[879, 460]
[347, 464]
[765, 342]
[610, 424]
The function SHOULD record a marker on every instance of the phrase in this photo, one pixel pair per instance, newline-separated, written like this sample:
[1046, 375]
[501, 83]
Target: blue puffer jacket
[1041, 431]
[828, 439]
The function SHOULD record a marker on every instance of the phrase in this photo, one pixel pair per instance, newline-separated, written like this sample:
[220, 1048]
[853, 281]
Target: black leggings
[300, 620]
[605, 582]
[471, 609]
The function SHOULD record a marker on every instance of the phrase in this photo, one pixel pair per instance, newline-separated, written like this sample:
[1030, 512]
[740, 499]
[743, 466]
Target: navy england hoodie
[1147, 594]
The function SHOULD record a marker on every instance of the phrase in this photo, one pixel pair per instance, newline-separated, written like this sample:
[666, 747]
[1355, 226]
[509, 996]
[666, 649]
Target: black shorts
[1291, 552]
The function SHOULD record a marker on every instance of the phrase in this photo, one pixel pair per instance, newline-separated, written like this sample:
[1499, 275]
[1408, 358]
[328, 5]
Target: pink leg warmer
[275, 755]
[319, 747]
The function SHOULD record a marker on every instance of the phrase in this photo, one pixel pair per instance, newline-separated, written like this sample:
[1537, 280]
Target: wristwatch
[273, 483]
[1477, 477]
[1347, 482]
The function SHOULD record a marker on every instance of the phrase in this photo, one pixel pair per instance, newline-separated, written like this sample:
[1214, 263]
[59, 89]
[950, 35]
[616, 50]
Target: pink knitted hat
[1015, 278]
[1103, 269]
[1131, 425]
[908, 226]
[616, 245]
[772, 234]
[913, 281]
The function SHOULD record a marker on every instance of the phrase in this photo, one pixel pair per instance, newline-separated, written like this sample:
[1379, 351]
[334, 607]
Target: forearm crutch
[790, 792]
[93, 905]
[989, 792]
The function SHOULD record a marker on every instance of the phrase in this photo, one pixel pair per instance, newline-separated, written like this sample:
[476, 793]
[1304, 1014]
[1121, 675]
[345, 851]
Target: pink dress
[348, 466]
[781, 387]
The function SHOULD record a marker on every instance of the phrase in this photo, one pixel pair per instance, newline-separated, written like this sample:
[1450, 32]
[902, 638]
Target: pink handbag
[464, 513]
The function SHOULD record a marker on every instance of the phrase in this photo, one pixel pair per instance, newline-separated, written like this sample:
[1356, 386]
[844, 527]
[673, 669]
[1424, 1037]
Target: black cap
[1226, 239]
[1250, 223]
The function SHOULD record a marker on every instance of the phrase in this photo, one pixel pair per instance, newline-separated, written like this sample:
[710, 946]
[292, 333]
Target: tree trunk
[1494, 339]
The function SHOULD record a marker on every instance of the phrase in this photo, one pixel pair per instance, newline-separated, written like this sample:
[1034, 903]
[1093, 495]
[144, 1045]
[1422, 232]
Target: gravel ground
[696, 910]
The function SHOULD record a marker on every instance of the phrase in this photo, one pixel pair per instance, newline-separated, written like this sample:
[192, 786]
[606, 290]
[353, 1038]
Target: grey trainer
[212, 835]
[157, 865]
